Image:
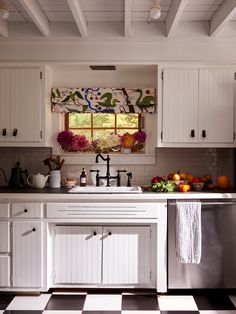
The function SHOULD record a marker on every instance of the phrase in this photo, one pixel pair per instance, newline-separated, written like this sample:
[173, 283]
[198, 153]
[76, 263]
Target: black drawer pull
[203, 133]
[4, 132]
[192, 133]
[14, 132]
[34, 229]
[26, 210]
[109, 233]
[94, 233]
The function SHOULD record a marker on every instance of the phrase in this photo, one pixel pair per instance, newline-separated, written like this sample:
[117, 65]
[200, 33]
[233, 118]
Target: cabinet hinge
[11, 229]
[161, 135]
[150, 233]
[150, 274]
[234, 135]
[11, 280]
[235, 76]
[41, 75]
[41, 134]
[162, 75]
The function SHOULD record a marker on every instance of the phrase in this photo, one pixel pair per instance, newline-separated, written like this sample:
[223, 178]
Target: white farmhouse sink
[106, 189]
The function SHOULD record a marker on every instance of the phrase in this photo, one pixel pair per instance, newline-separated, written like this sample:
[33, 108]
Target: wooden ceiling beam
[175, 12]
[222, 16]
[37, 15]
[79, 16]
[127, 17]
[3, 28]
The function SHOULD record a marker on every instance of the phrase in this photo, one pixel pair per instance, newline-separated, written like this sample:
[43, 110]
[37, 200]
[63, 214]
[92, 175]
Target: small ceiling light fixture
[4, 13]
[155, 11]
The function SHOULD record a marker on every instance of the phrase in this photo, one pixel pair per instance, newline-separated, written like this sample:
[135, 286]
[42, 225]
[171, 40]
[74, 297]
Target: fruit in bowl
[223, 182]
[198, 186]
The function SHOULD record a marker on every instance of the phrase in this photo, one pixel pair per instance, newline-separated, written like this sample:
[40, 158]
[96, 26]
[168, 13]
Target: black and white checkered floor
[116, 302]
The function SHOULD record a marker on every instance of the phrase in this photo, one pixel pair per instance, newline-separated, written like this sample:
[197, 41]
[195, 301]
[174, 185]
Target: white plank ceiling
[82, 12]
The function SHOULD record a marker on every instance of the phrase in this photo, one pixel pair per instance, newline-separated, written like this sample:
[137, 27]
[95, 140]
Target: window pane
[103, 120]
[80, 120]
[127, 120]
[87, 133]
[101, 133]
[130, 131]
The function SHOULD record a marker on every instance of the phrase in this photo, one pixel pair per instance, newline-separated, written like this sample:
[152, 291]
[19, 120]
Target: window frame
[115, 129]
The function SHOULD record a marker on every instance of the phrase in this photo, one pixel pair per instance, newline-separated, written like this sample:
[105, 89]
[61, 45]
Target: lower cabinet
[102, 255]
[4, 254]
[27, 254]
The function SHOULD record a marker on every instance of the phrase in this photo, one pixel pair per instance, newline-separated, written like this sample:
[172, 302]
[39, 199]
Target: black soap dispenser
[83, 178]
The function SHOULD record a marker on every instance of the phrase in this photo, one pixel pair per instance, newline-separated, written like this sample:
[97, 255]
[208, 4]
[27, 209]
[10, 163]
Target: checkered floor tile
[110, 302]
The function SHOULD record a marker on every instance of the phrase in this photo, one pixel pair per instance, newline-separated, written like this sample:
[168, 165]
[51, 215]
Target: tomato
[196, 180]
[184, 188]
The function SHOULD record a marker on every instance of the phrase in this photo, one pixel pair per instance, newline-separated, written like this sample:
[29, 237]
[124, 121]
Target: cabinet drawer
[27, 210]
[4, 210]
[4, 237]
[4, 271]
[112, 210]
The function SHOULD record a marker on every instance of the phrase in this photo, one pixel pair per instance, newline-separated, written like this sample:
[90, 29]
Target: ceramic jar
[55, 179]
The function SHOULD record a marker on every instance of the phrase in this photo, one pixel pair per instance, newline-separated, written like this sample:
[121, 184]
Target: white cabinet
[126, 255]
[20, 105]
[77, 254]
[27, 247]
[198, 107]
[4, 254]
[102, 255]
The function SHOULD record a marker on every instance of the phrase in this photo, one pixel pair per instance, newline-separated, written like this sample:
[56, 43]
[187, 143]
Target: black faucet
[108, 175]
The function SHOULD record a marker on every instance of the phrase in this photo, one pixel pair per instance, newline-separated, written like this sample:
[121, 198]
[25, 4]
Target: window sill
[120, 159]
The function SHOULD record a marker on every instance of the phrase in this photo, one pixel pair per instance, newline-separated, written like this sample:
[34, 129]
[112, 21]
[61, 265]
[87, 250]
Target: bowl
[70, 182]
[198, 186]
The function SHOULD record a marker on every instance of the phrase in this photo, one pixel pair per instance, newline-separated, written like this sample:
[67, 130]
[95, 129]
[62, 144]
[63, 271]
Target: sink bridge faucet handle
[129, 175]
[118, 176]
[97, 176]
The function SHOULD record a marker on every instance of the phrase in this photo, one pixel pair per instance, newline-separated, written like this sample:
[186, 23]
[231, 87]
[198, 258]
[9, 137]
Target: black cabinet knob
[192, 133]
[4, 132]
[14, 132]
[109, 233]
[26, 210]
[203, 133]
[94, 233]
[34, 229]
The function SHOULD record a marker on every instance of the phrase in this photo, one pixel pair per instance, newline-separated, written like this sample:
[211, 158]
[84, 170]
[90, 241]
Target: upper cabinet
[198, 107]
[20, 106]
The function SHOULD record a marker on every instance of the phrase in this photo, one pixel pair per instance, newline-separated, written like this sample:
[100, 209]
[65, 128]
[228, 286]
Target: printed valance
[103, 100]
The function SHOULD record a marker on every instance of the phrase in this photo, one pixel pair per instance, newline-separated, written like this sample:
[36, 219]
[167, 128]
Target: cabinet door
[4, 271]
[25, 100]
[180, 105]
[4, 104]
[126, 255]
[216, 105]
[27, 254]
[77, 255]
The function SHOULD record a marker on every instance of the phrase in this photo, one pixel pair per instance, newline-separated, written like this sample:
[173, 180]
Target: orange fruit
[223, 182]
[189, 177]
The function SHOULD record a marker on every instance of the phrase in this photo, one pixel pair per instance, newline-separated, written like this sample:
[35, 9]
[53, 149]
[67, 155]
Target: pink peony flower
[79, 143]
[140, 136]
[65, 137]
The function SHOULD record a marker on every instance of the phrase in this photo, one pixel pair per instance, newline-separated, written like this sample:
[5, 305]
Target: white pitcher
[55, 179]
[37, 180]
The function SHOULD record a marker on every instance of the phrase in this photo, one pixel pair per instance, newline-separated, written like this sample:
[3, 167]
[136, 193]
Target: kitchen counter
[62, 193]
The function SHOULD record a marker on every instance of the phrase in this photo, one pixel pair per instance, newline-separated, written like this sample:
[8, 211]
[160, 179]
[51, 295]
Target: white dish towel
[188, 232]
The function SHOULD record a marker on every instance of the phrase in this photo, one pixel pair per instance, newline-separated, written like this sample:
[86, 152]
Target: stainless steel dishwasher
[217, 268]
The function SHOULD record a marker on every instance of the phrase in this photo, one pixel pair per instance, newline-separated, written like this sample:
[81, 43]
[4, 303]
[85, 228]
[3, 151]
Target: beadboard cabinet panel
[77, 255]
[4, 271]
[198, 107]
[4, 237]
[216, 105]
[20, 105]
[27, 247]
[126, 255]
[180, 105]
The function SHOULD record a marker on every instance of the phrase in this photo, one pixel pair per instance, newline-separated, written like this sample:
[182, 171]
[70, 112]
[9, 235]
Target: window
[99, 125]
